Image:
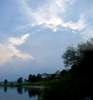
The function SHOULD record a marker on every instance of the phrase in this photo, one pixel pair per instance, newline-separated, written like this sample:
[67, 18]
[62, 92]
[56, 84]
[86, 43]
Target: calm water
[18, 94]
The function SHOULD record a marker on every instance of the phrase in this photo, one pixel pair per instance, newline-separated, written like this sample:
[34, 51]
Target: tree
[80, 59]
[77, 82]
[5, 81]
[63, 72]
[34, 78]
[30, 78]
[39, 77]
[20, 80]
[25, 80]
[71, 57]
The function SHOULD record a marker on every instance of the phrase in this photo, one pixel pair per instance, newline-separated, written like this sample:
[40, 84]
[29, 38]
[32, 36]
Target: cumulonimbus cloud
[9, 50]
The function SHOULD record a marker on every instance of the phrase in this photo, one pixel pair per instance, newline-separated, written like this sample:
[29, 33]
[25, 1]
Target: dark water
[18, 94]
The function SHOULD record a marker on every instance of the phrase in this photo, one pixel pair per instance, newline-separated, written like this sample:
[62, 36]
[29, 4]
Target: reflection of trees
[30, 93]
[5, 89]
[20, 90]
[33, 92]
[25, 89]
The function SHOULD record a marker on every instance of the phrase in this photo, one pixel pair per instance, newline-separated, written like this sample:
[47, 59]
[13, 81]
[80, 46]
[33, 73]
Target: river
[18, 94]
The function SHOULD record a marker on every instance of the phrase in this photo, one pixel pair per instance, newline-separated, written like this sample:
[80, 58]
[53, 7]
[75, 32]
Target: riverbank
[23, 85]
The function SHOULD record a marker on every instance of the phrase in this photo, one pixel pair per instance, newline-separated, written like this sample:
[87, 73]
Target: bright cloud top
[9, 51]
[50, 15]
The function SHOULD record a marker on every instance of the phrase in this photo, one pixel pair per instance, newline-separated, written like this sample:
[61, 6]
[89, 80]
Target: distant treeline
[36, 79]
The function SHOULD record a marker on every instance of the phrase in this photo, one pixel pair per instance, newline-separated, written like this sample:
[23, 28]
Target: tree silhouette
[75, 83]
[5, 89]
[80, 59]
[5, 81]
[20, 80]
[34, 78]
[30, 78]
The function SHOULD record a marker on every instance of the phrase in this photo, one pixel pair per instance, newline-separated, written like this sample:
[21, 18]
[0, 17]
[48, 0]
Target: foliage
[20, 80]
[5, 81]
[34, 78]
[76, 83]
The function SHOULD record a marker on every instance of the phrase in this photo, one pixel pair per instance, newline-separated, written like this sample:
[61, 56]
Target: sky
[34, 34]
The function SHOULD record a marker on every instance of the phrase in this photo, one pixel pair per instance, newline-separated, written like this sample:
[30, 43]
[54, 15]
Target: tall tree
[20, 80]
[30, 78]
[77, 82]
[5, 81]
[80, 58]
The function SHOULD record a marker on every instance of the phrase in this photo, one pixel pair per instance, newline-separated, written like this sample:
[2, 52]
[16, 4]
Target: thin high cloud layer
[9, 50]
[50, 15]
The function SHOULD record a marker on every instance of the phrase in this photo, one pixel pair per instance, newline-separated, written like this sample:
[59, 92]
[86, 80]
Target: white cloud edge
[9, 50]
[48, 16]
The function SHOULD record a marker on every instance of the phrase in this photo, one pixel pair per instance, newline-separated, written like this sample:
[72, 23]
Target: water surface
[18, 94]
